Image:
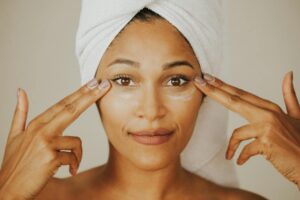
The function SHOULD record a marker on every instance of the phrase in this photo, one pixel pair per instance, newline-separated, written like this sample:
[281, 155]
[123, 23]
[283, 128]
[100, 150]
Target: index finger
[73, 110]
[233, 102]
[245, 95]
[47, 115]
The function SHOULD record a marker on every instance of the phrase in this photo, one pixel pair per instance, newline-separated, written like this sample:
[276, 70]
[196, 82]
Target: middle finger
[247, 96]
[246, 109]
[73, 110]
[59, 106]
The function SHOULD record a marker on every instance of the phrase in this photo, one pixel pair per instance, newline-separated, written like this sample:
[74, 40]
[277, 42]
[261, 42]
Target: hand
[276, 134]
[33, 153]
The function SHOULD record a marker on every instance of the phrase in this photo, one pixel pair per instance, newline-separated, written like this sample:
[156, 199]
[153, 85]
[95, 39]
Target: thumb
[20, 115]
[290, 97]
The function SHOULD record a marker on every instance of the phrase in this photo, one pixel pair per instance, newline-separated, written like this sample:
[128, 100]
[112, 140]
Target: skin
[136, 171]
[148, 172]
[149, 103]
[40, 143]
[276, 133]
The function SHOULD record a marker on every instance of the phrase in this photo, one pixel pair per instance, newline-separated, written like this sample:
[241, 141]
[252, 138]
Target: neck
[135, 183]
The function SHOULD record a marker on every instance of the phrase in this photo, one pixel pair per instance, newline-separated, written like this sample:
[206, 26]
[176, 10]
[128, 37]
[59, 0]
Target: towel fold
[200, 21]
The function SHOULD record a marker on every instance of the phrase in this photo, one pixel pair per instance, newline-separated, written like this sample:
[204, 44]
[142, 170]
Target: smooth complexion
[184, 95]
[151, 76]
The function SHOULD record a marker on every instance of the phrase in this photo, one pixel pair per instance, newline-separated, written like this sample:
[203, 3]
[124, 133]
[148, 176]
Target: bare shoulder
[212, 190]
[53, 189]
[239, 194]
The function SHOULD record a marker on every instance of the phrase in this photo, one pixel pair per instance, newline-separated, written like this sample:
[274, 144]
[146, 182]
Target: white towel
[200, 21]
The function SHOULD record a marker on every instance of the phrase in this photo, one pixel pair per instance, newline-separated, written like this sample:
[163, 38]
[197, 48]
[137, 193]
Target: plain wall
[37, 53]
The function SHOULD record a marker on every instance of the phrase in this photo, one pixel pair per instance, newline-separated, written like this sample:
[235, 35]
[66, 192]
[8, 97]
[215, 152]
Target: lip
[152, 137]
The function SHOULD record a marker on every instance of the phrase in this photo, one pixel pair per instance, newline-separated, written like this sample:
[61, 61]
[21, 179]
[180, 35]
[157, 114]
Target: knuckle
[233, 99]
[239, 92]
[41, 142]
[53, 141]
[84, 90]
[95, 93]
[51, 155]
[71, 109]
[62, 103]
[219, 83]
[44, 131]
[276, 108]
[211, 88]
[270, 116]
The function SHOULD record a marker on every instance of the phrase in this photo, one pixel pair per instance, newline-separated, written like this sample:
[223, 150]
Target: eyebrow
[165, 66]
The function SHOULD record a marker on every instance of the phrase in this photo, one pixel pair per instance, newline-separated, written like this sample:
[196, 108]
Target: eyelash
[125, 76]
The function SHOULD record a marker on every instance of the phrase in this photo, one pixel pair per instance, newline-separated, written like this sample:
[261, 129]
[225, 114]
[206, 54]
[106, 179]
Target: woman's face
[151, 68]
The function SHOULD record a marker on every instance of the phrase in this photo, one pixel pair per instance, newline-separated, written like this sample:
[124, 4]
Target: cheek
[184, 110]
[184, 106]
[182, 96]
[116, 108]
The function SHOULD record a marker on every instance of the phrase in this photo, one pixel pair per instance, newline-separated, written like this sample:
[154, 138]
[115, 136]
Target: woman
[139, 167]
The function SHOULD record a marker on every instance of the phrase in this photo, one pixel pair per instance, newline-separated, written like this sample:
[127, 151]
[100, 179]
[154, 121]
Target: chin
[152, 161]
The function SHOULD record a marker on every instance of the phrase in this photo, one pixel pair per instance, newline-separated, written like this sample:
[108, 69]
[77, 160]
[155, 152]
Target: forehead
[158, 35]
[156, 41]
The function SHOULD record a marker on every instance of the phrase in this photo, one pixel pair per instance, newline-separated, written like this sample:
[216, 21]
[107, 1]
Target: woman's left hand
[276, 134]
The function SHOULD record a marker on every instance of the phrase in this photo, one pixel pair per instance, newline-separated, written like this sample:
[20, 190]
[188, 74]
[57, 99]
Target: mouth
[152, 137]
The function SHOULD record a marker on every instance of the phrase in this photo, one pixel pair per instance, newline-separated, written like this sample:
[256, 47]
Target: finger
[290, 97]
[20, 115]
[247, 96]
[69, 143]
[240, 134]
[72, 111]
[251, 149]
[66, 158]
[247, 110]
[59, 106]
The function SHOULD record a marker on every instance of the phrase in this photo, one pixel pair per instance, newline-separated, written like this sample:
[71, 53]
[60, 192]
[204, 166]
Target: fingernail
[208, 77]
[104, 84]
[200, 81]
[92, 83]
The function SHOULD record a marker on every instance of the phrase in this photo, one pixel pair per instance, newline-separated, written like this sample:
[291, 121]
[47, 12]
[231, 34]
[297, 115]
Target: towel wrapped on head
[201, 23]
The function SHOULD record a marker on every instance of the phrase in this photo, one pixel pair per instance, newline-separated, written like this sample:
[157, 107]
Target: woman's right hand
[33, 153]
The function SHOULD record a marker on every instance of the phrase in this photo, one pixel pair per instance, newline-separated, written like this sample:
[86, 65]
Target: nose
[151, 105]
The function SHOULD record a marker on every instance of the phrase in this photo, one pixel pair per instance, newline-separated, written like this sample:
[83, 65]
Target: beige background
[37, 53]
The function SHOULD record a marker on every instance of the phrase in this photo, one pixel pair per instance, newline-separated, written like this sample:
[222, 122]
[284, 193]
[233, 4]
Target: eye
[178, 80]
[122, 80]
[125, 80]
